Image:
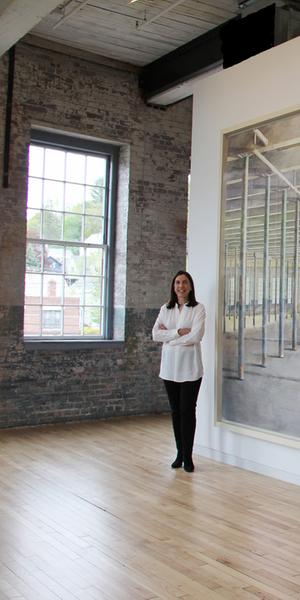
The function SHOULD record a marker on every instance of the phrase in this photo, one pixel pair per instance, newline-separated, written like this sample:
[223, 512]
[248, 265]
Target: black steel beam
[253, 34]
[183, 63]
[228, 44]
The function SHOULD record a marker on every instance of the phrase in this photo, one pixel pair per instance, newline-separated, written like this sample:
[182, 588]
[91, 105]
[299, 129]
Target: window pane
[66, 226]
[53, 258]
[73, 320]
[34, 257]
[36, 161]
[74, 261]
[32, 320]
[33, 223]
[75, 168]
[93, 230]
[73, 227]
[96, 170]
[53, 195]
[74, 197]
[52, 289]
[94, 261]
[54, 164]
[35, 192]
[91, 325]
[74, 290]
[94, 204]
[51, 321]
[102, 297]
[92, 290]
[33, 284]
[52, 225]
[52, 318]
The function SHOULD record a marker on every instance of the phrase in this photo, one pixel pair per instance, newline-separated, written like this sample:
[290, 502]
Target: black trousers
[183, 401]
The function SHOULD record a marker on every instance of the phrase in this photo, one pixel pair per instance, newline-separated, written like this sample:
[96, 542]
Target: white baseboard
[248, 465]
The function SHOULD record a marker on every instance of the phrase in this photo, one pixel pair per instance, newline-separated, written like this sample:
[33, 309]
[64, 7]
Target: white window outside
[69, 267]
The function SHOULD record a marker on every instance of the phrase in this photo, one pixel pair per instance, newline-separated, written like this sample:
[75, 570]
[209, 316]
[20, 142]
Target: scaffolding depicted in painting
[260, 267]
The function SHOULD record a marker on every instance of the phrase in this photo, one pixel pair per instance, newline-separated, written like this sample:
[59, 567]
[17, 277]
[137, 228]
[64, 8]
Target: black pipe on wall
[8, 117]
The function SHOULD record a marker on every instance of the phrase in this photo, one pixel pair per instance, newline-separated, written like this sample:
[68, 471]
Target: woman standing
[180, 327]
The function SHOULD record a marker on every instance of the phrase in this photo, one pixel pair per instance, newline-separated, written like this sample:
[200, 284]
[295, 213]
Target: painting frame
[234, 138]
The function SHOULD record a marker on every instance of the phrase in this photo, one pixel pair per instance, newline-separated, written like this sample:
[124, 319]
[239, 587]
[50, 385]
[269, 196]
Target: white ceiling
[138, 32]
[135, 33]
[17, 17]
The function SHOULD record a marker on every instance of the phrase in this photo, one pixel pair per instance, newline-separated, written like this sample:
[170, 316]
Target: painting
[259, 365]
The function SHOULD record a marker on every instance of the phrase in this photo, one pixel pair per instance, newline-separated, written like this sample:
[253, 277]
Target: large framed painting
[259, 277]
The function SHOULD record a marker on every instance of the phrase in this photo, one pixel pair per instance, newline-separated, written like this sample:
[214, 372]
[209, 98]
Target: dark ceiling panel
[228, 44]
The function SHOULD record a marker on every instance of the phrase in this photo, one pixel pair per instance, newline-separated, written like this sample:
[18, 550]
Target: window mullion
[63, 292]
[84, 288]
[62, 243]
[106, 200]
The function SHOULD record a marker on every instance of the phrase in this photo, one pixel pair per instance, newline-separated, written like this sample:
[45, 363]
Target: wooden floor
[93, 511]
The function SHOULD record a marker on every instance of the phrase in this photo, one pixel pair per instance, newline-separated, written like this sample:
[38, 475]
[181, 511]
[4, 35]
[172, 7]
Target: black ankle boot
[177, 462]
[189, 466]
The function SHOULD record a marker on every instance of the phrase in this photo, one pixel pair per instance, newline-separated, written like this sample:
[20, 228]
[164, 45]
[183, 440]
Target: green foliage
[33, 226]
[73, 222]
[88, 330]
[33, 257]
[52, 225]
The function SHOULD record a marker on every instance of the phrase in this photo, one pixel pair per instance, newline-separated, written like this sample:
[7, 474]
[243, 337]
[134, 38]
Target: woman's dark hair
[173, 296]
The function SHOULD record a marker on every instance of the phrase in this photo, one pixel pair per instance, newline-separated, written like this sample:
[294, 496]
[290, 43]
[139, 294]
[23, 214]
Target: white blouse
[181, 358]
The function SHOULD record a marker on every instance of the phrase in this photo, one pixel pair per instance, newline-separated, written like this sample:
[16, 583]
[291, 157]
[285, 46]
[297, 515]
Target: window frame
[68, 142]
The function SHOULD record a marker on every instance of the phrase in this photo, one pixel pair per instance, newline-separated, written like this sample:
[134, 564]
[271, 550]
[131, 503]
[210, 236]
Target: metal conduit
[242, 273]
[282, 276]
[266, 277]
[8, 118]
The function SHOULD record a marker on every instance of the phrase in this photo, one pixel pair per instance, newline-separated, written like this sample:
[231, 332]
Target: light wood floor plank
[93, 511]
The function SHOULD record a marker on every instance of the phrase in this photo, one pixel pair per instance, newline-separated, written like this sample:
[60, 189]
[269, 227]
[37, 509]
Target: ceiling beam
[18, 17]
[182, 64]
[145, 22]
[230, 43]
[71, 13]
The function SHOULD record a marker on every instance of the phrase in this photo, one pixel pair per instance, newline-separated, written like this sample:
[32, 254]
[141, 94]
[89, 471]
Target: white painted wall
[256, 89]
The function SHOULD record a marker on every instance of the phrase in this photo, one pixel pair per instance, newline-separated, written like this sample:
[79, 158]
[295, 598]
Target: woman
[180, 326]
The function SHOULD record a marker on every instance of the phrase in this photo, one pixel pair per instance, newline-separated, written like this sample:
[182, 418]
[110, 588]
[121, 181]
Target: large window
[70, 225]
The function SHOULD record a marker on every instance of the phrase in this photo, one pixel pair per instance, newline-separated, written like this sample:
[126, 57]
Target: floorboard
[93, 511]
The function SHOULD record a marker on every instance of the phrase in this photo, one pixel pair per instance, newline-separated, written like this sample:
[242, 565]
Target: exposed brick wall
[82, 97]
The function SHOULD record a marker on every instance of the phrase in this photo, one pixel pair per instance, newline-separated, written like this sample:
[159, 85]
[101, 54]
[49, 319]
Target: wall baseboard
[248, 465]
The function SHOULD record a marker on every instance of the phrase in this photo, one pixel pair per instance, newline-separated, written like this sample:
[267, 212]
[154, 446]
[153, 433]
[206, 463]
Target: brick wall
[50, 384]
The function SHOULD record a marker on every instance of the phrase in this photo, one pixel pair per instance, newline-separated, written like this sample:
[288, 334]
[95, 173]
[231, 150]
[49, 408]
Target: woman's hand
[162, 327]
[184, 331]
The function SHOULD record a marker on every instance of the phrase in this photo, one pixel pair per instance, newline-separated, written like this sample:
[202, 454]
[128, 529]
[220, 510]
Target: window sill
[32, 344]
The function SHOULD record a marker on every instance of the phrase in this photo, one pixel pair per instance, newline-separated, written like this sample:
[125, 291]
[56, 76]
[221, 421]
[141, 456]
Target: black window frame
[70, 142]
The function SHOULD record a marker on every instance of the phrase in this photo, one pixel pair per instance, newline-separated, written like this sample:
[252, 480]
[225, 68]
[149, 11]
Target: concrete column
[266, 278]
[295, 277]
[282, 276]
[242, 272]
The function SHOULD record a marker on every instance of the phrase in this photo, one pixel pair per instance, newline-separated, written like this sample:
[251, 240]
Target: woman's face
[182, 288]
